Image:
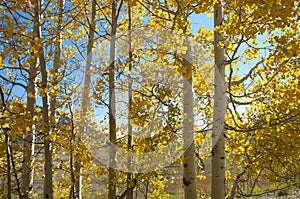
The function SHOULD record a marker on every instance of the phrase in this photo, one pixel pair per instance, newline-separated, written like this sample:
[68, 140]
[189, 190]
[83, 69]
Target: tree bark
[48, 185]
[129, 139]
[56, 66]
[9, 185]
[56, 62]
[189, 173]
[112, 103]
[85, 100]
[218, 150]
[29, 146]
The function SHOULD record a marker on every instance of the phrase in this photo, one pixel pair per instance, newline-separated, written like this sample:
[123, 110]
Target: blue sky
[198, 20]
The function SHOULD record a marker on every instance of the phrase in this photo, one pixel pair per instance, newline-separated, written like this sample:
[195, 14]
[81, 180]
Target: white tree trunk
[189, 173]
[28, 147]
[48, 185]
[218, 150]
[8, 183]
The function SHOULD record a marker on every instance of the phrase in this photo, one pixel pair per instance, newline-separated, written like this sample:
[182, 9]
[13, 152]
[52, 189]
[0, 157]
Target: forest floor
[291, 195]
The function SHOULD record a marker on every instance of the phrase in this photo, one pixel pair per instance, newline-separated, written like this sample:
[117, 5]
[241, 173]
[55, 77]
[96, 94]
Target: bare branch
[237, 82]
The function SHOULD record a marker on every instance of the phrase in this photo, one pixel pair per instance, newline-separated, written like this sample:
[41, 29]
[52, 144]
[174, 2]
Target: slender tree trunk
[51, 128]
[8, 151]
[48, 190]
[9, 188]
[71, 142]
[48, 186]
[129, 139]
[72, 191]
[147, 187]
[218, 150]
[189, 173]
[56, 62]
[136, 194]
[13, 164]
[29, 146]
[85, 100]
[112, 104]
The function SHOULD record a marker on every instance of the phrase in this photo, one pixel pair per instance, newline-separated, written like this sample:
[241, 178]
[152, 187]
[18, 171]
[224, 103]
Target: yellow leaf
[31, 95]
[180, 31]
[268, 118]
[69, 32]
[6, 125]
[242, 149]
[55, 87]
[42, 92]
[68, 128]
[164, 142]
[38, 110]
[6, 114]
